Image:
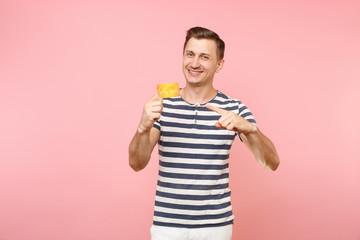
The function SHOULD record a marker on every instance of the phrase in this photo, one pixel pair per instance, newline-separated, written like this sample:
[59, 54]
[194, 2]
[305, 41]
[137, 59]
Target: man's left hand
[232, 121]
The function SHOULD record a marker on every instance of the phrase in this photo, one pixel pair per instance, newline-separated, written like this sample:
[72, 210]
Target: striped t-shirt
[193, 183]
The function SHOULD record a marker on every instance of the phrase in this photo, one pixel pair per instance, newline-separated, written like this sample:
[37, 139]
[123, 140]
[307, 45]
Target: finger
[155, 98]
[230, 127]
[154, 101]
[227, 116]
[155, 116]
[157, 109]
[157, 104]
[224, 123]
[227, 121]
[158, 97]
[221, 126]
[216, 109]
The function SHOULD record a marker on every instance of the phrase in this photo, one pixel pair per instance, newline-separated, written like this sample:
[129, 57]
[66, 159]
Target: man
[194, 133]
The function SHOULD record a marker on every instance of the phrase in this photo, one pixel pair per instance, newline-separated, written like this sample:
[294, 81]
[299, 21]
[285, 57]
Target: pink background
[69, 108]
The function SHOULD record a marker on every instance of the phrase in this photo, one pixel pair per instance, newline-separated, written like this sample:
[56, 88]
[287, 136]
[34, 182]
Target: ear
[220, 65]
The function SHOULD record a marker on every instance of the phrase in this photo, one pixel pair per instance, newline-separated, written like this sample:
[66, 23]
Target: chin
[193, 80]
[195, 83]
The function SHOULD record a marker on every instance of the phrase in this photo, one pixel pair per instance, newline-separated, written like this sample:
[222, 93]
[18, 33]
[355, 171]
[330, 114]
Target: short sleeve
[245, 112]
[157, 125]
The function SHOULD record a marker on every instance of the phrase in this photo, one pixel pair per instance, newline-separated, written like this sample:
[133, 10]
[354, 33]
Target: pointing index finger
[215, 109]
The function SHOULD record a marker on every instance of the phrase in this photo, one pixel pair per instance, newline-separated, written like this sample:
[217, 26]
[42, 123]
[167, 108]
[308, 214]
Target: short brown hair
[204, 33]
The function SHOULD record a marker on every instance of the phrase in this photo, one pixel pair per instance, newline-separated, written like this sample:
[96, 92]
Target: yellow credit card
[168, 90]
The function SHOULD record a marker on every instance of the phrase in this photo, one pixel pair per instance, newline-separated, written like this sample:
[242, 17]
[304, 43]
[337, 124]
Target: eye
[205, 57]
[189, 54]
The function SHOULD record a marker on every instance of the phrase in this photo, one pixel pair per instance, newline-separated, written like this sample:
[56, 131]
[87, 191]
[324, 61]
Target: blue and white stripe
[193, 183]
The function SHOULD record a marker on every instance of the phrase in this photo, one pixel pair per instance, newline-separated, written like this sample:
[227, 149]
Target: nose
[195, 62]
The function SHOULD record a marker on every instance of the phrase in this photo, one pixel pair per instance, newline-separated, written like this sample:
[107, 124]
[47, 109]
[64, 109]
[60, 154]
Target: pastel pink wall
[74, 76]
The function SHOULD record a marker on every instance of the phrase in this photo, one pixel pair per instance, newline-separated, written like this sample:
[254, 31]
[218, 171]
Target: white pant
[172, 233]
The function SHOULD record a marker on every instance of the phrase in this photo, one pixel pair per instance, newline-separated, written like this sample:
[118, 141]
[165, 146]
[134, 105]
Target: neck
[200, 94]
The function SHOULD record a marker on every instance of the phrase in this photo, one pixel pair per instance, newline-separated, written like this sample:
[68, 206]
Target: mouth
[193, 72]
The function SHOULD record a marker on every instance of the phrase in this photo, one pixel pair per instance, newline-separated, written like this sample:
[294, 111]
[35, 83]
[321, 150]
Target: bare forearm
[140, 150]
[147, 136]
[263, 150]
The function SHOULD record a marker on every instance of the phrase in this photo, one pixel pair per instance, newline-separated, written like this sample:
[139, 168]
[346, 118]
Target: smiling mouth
[195, 72]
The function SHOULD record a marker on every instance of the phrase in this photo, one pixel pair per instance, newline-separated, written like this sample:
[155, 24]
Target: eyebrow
[201, 54]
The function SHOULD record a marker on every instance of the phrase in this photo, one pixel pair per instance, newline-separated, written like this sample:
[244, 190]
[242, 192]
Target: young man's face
[200, 61]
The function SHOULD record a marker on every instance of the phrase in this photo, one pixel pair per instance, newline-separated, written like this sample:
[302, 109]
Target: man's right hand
[151, 113]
